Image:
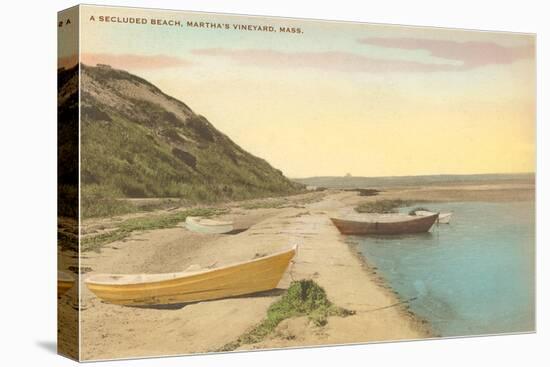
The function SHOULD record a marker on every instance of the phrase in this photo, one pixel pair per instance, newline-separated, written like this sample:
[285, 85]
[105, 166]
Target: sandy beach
[111, 331]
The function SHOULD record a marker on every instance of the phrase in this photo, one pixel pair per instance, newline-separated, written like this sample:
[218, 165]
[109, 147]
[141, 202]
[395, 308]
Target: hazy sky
[370, 100]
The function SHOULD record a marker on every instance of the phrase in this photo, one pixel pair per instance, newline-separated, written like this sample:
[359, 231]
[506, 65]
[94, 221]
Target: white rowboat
[444, 218]
[204, 225]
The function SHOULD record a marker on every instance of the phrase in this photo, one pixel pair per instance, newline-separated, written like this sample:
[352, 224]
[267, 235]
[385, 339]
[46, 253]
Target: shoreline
[110, 331]
[423, 325]
[348, 281]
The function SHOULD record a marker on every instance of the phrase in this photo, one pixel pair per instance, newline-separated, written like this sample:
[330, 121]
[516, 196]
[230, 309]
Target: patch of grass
[382, 206]
[150, 206]
[278, 203]
[105, 207]
[303, 298]
[265, 204]
[94, 243]
[100, 201]
[365, 192]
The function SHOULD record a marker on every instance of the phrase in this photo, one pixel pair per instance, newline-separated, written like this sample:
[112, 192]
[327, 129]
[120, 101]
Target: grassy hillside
[137, 142]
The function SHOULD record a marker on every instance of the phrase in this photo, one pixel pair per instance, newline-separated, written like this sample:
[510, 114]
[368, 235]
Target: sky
[338, 97]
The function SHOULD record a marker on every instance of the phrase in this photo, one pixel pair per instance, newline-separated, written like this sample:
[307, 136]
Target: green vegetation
[365, 192]
[303, 298]
[101, 201]
[124, 229]
[157, 147]
[265, 204]
[277, 203]
[382, 206]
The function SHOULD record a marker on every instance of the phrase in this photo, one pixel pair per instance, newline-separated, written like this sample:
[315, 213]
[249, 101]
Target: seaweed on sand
[382, 206]
[303, 298]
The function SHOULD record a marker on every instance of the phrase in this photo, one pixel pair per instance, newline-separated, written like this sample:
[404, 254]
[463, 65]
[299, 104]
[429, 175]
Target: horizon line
[423, 175]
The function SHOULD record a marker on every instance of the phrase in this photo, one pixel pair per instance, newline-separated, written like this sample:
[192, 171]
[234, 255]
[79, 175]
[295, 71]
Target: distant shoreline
[347, 182]
[494, 174]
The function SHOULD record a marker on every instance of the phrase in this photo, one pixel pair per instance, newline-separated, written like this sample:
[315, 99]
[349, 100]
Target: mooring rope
[293, 261]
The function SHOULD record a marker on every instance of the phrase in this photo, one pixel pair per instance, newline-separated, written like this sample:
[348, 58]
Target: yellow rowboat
[246, 277]
[64, 282]
[204, 225]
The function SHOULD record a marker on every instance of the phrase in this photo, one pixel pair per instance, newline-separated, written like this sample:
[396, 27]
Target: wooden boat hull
[194, 224]
[234, 280]
[444, 218]
[413, 225]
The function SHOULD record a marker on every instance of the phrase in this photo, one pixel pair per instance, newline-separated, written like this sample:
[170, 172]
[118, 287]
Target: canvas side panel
[67, 183]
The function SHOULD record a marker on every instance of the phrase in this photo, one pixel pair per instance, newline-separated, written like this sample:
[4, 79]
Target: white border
[29, 175]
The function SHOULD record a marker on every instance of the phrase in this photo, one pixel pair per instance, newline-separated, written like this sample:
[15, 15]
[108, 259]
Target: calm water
[474, 276]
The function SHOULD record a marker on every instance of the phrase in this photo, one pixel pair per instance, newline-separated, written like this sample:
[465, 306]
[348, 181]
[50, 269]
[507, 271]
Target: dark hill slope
[139, 142]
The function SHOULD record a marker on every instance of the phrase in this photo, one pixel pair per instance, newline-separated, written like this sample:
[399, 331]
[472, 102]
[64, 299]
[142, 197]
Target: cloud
[330, 60]
[471, 54]
[132, 61]
[465, 56]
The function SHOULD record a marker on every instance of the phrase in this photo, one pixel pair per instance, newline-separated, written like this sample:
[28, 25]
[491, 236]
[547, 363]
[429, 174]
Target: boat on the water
[205, 225]
[384, 224]
[65, 282]
[444, 218]
[192, 285]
